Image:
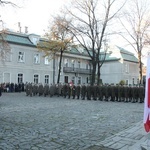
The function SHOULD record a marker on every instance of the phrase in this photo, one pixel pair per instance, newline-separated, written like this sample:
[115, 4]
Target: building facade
[120, 65]
[24, 63]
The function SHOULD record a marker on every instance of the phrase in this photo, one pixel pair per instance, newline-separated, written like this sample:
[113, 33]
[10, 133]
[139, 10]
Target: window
[73, 80]
[79, 64]
[36, 58]
[21, 57]
[47, 60]
[66, 79]
[79, 80]
[138, 82]
[127, 81]
[36, 78]
[87, 80]
[66, 62]
[73, 64]
[126, 68]
[87, 66]
[20, 78]
[133, 81]
[47, 79]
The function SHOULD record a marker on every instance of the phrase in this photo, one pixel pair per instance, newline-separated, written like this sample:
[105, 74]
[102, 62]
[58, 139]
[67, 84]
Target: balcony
[76, 70]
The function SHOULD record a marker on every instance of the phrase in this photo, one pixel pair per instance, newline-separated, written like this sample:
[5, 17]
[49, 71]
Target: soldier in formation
[119, 93]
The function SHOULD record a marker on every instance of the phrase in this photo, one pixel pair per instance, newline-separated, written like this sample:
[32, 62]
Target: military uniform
[59, 89]
[52, 90]
[78, 90]
[64, 90]
[89, 92]
[46, 90]
[106, 92]
[126, 93]
[73, 91]
[112, 91]
[0, 90]
[100, 94]
[83, 91]
[95, 92]
[133, 91]
[34, 89]
[40, 89]
[69, 91]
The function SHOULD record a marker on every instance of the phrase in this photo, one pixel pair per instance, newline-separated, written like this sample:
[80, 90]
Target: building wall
[72, 60]
[111, 72]
[115, 71]
[27, 67]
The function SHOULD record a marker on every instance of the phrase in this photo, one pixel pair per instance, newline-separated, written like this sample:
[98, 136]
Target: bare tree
[4, 2]
[137, 25]
[59, 39]
[89, 27]
[4, 47]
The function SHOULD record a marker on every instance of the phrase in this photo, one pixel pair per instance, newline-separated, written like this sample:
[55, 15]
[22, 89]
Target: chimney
[19, 26]
[26, 29]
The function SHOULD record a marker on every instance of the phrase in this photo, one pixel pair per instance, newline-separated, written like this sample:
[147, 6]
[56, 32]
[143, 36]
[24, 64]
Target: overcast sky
[34, 14]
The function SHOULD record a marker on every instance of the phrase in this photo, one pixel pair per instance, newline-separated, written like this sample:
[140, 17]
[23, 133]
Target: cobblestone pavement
[44, 123]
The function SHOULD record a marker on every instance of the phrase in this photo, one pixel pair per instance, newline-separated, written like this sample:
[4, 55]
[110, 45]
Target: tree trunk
[93, 72]
[98, 74]
[140, 68]
[59, 70]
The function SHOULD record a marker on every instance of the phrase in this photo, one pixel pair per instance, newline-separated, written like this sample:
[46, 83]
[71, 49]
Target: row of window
[75, 63]
[36, 80]
[36, 58]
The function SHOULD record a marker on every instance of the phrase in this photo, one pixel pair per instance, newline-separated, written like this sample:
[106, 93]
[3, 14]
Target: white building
[26, 64]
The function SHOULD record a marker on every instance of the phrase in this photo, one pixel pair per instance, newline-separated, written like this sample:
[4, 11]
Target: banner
[147, 97]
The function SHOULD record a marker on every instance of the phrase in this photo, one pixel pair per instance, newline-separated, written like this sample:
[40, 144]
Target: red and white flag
[147, 98]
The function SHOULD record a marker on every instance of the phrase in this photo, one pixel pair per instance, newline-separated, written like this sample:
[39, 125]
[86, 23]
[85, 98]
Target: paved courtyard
[44, 123]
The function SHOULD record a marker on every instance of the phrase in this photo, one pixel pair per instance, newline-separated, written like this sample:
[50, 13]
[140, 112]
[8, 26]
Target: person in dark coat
[112, 91]
[60, 89]
[126, 93]
[78, 91]
[83, 91]
[73, 91]
[0, 90]
[89, 92]
[64, 90]
[100, 94]
[52, 90]
[40, 89]
[46, 90]
[106, 92]
[69, 91]
[95, 92]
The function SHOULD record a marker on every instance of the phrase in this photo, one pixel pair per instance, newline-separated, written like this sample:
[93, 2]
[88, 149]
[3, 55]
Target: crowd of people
[107, 92]
[120, 93]
[12, 87]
